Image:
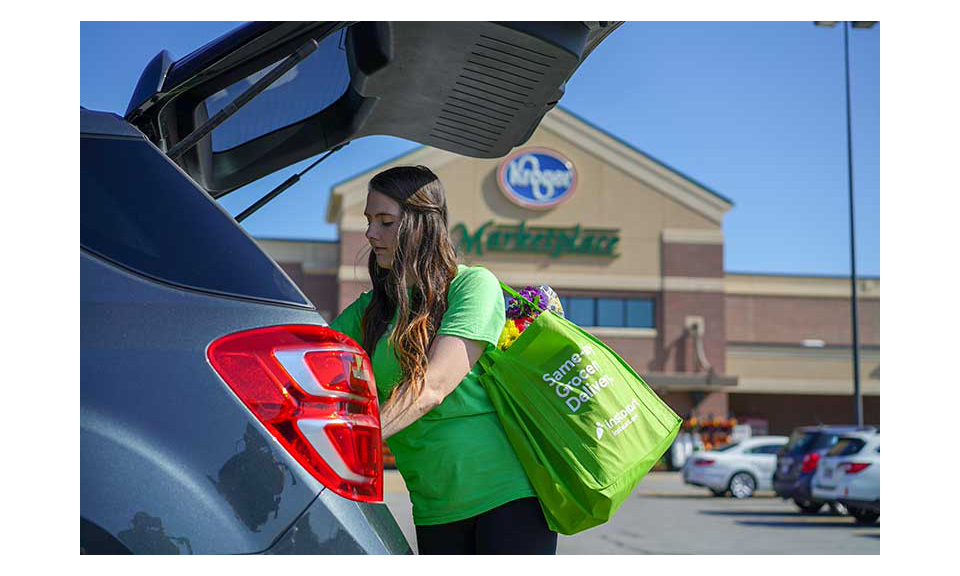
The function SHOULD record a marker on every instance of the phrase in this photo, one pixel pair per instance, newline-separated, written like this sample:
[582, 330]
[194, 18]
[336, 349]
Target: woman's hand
[449, 360]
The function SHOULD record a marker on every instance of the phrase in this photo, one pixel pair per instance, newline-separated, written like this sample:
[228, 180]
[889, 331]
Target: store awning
[700, 381]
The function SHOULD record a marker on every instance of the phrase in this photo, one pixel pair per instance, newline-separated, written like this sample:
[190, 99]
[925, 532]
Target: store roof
[593, 139]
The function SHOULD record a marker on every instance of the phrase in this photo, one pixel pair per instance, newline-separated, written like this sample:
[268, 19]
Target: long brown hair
[425, 257]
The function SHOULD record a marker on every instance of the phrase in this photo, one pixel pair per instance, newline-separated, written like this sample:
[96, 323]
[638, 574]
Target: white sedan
[742, 468]
[849, 473]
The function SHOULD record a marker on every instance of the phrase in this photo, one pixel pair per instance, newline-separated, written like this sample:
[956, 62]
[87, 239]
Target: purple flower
[517, 308]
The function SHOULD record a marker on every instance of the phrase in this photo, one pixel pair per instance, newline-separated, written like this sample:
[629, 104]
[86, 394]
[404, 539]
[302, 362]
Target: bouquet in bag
[521, 314]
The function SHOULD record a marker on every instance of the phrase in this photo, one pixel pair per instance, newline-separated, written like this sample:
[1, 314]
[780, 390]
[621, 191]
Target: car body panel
[106, 124]
[789, 481]
[161, 433]
[336, 525]
[736, 459]
[473, 88]
[142, 212]
[862, 489]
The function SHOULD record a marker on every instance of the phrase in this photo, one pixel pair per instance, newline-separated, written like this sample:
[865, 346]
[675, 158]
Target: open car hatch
[473, 88]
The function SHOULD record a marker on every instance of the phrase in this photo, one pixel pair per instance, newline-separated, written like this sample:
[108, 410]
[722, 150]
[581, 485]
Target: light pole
[858, 399]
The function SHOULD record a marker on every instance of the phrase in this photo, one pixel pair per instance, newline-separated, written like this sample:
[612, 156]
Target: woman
[425, 324]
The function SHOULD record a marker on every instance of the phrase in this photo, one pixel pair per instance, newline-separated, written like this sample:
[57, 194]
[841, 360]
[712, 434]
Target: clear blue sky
[753, 110]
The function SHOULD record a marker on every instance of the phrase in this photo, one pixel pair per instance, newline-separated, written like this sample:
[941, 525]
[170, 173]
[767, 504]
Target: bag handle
[520, 296]
[513, 292]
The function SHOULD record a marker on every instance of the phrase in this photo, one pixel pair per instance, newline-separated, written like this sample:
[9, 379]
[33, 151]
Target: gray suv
[218, 412]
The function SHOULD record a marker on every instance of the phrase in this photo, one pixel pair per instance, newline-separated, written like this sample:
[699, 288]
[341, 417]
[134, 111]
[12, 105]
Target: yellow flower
[508, 335]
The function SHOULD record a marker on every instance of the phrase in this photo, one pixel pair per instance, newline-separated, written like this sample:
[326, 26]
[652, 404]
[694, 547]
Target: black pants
[517, 527]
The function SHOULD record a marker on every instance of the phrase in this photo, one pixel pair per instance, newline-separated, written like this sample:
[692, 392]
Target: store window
[602, 311]
[579, 310]
[611, 312]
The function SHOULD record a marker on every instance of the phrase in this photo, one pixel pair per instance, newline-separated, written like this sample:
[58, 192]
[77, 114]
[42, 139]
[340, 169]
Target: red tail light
[810, 462]
[313, 389]
[703, 462]
[854, 467]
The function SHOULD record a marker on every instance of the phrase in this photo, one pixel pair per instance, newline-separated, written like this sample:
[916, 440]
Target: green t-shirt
[455, 460]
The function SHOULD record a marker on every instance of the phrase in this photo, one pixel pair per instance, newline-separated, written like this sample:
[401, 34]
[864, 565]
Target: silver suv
[218, 412]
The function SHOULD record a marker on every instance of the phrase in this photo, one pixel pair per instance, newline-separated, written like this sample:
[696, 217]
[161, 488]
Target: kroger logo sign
[537, 178]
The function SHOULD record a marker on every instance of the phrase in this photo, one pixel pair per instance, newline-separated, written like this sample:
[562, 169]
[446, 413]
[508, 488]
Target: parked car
[218, 412]
[740, 468]
[849, 473]
[683, 446]
[797, 462]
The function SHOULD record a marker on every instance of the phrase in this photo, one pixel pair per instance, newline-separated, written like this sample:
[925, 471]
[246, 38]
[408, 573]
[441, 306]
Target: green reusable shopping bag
[584, 424]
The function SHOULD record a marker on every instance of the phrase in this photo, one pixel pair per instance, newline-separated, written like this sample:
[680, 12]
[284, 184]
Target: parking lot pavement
[398, 501]
[665, 516]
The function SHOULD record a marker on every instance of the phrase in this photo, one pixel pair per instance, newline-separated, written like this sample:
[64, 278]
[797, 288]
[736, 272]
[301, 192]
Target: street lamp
[858, 400]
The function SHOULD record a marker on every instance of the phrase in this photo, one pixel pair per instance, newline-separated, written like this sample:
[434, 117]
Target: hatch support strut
[191, 140]
[286, 184]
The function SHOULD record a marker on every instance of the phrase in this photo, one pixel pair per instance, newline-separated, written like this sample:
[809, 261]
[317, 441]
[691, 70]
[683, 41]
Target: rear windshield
[846, 447]
[139, 210]
[312, 85]
[726, 447]
[801, 442]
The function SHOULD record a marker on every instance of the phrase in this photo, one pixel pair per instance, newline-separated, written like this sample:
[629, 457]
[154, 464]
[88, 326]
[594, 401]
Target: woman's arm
[449, 360]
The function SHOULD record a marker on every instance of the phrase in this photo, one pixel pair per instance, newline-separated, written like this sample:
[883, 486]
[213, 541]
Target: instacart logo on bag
[620, 419]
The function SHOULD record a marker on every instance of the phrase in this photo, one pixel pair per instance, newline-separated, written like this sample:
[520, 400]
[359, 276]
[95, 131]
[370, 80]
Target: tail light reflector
[810, 462]
[313, 389]
[703, 462]
[854, 467]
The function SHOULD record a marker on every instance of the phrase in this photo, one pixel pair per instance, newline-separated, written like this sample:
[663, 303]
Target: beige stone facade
[767, 340]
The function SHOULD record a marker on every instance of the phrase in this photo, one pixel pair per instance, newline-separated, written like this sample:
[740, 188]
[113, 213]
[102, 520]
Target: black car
[218, 412]
[797, 463]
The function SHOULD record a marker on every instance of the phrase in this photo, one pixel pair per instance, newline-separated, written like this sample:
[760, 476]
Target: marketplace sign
[535, 239]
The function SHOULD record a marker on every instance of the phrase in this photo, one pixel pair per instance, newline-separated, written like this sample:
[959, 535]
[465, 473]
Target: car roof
[835, 428]
[862, 435]
[105, 124]
[766, 439]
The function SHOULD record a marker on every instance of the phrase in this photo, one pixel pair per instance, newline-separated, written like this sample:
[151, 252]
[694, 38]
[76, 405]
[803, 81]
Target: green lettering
[509, 235]
[587, 244]
[519, 238]
[566, 241]
[493, 240]
[611, 244]
[539, 242]
[522, 236]
[551, 239]
[474, 241]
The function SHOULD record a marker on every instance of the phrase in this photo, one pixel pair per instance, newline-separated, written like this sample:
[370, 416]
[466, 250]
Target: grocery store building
[635, 249]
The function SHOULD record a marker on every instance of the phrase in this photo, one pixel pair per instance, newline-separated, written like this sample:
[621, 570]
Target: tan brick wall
[321, 289]
[702, 405]
[697, 260]
[679, 402]
[710, 405]
[791, 319]
[800, 364]
[349, 291]
[786, 412]
[353, 249]
[638, 352]
[677, 352]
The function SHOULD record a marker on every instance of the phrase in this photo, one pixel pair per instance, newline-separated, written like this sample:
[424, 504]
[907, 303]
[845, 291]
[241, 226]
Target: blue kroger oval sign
[537, 178]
